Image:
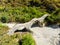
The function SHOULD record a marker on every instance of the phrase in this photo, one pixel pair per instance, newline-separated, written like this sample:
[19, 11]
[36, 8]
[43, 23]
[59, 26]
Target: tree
[3, 19]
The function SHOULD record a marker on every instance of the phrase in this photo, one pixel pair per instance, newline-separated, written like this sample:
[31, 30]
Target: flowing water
[46, 35]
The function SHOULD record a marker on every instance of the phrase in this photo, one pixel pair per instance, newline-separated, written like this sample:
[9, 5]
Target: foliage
[49, 5]
[3, 19]
[9, 40]
[24, 10]
[3, 29]
[14, 39]
[53, 19]
[20, 14]
[28, 40]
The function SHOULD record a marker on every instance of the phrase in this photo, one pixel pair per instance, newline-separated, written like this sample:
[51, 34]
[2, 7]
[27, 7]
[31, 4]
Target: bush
[9, 40]
[3, 29]
[3, 19]
[53, 19]
[28, 40]
[20, 14]
[24, 14]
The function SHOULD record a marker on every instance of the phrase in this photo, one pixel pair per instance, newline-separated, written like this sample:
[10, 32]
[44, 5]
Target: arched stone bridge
[42, 35]
[28, 24]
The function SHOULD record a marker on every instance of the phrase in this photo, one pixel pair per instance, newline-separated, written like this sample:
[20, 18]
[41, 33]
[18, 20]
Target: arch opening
[36, 24]
[23, 30]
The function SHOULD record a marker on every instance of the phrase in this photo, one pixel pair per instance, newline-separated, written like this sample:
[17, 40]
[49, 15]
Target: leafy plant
[28, 40]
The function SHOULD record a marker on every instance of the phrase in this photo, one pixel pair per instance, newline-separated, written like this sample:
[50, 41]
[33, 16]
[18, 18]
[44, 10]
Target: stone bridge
[42, 35]
[29, 24]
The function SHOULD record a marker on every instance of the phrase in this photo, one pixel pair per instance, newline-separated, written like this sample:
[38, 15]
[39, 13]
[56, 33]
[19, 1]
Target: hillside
[18, 10]
[51, 5]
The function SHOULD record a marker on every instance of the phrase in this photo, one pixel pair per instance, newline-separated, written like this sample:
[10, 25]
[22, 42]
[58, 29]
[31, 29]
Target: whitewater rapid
[46, 35]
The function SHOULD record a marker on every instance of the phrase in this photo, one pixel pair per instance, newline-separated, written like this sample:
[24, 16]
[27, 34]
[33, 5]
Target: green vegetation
[28, 40]
[14, 39]
[54, 18]
[3, 29]
[50, 5]
[25, 14]
[21, 11]
[20, 14]
[24, 10]
[9, 40]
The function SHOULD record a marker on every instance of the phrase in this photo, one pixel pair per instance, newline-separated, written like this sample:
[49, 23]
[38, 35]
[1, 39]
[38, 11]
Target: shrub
[28, 40]
[9, 40]
[3, 19]
[3, 29]
[24, 14]
[53, 19]
[20, 14]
